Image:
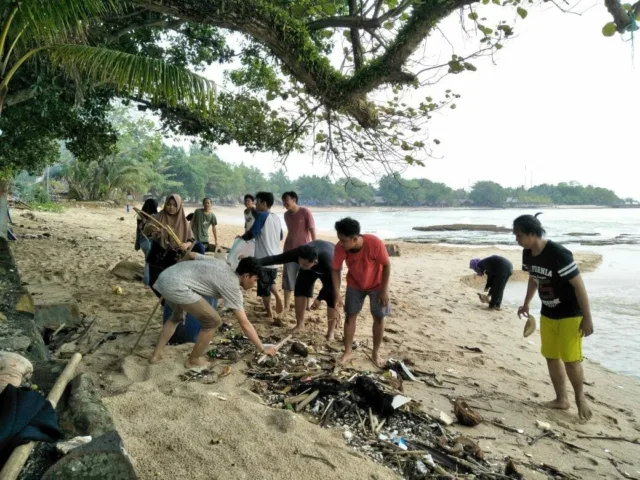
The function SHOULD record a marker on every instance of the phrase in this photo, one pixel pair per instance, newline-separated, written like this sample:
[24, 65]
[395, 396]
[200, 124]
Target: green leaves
[522, 12]
[473, 16]
[139, 75]
[609, 30]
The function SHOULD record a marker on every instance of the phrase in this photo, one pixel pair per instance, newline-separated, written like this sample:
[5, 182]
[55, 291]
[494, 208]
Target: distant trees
[142, 164]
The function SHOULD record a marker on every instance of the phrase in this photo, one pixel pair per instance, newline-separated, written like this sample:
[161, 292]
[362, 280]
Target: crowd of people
[179, 272]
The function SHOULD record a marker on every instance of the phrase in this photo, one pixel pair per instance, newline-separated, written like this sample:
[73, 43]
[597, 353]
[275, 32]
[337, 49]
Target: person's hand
[523, 311]
[339, 302]
[383, 297]
[188, 256]
[586, 326]
[185, 246]
[153, 230]
[270, 351]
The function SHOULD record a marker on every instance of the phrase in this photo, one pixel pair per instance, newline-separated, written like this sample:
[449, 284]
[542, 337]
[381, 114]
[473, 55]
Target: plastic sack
[239, 249]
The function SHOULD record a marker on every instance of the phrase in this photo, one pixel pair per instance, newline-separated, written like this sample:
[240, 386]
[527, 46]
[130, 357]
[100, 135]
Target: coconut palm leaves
[57, 29]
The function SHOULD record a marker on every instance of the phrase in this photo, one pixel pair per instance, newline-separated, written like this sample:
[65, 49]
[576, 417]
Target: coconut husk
[484, 298]
[465, 415]
[530, 326]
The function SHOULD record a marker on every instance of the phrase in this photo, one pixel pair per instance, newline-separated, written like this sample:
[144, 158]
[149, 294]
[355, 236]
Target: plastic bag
[239, 249]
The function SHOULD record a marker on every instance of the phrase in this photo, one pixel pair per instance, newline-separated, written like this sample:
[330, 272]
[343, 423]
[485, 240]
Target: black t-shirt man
[551, 270]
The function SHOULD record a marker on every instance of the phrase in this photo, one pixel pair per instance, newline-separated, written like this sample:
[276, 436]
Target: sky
[559, 104]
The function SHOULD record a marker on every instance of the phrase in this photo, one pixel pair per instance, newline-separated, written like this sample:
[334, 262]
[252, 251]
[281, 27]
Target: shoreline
[435, 317]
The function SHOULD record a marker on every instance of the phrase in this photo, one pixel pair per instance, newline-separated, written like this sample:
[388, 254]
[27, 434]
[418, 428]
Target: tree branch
[621, 17]
[355, 21]
[19, 96]
[358, 58]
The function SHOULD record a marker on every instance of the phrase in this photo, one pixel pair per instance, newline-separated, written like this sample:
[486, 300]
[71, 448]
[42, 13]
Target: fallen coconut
[465, 415]
[530, 326]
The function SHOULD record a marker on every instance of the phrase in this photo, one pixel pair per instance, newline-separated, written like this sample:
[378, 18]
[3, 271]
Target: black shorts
[306, 281]
[266, 278]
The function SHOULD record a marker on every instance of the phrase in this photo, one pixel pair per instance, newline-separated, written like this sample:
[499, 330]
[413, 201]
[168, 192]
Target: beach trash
[530, 326]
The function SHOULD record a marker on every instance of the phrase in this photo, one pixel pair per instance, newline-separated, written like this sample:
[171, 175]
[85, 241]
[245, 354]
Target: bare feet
[315, 305]
[155, 358]
[344, 359]
[297, 329]
[195, 363]
[330, 337]
[375, 358]
[279, 304]
[584, 412]
[558, 404]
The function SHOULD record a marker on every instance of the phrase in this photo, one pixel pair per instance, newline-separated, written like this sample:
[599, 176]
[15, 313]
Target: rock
[66, 447]
[445, 419]
[86, 410]
[67, 349]
[103, 457]
[392, 249]
[543, 425]
[128, 270]
[121, 219]
[456, 227]
[299, 349]
[53, 306]
[17, 343]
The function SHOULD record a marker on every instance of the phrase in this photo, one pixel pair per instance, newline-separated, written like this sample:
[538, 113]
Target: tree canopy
[336, 77]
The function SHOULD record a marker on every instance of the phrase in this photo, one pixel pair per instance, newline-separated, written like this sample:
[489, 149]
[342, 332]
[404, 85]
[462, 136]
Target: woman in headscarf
[143, 242]
[498, 270]
[164, 251]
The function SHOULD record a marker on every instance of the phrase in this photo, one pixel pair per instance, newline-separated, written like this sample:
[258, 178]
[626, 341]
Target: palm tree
[56, 31]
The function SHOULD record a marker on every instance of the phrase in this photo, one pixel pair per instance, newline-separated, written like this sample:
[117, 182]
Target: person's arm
[215, 235]
[384, 288]
[250, 332]
[336, 278]
[286, 257]
[311, 226]
[312, 231]
[256, 228]
[531, 291]
[489, 281]
[586, 326]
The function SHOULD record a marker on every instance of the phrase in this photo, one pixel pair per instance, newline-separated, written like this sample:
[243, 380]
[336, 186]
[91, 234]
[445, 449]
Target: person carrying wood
[183, 286]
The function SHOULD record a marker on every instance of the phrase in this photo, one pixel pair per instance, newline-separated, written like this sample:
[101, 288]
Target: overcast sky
[561, 102]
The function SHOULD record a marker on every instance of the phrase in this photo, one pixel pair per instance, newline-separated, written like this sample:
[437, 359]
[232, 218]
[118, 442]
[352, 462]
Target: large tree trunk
[4, 208]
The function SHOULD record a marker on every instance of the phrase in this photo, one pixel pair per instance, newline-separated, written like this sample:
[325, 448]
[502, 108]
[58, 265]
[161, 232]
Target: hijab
[150, 207]
[177, 222]
[473, 265]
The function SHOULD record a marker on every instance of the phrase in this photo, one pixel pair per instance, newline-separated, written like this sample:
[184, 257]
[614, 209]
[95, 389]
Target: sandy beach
[174, 429]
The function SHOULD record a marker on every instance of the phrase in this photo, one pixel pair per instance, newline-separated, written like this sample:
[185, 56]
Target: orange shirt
[365, 265]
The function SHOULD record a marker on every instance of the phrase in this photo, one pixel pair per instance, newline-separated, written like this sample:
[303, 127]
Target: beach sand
[175, 429]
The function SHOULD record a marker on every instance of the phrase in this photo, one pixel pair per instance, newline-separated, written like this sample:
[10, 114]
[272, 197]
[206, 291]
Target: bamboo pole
[161, 225]
[20, 454]
[277, 347]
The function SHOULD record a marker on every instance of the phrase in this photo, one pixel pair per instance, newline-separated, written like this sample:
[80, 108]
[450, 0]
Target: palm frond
[136, 75]
[57, 20]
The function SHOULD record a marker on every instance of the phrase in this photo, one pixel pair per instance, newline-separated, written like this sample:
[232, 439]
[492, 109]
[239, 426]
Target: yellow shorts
[561, 339]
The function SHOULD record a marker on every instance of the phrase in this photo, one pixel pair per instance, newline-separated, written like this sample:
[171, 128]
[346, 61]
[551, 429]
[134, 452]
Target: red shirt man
[368, 276]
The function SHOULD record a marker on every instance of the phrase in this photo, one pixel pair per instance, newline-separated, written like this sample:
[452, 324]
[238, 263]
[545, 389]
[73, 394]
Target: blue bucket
[187, 332]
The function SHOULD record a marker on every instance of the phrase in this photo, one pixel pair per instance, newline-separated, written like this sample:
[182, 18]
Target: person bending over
[183, 286]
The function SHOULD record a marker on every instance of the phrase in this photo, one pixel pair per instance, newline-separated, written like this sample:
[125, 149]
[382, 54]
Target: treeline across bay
[143, 165]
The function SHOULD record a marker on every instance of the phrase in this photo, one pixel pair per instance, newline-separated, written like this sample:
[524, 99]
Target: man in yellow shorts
[565, 315]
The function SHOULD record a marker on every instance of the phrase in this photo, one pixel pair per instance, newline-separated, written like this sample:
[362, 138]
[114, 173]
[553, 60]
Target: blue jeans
[145, 246]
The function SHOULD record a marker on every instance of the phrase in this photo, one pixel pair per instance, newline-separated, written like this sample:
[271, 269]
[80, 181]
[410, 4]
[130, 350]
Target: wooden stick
[307, 400]
[167, 228]
[20, 454]
[277, 347]
[153, 312]
[606, 437]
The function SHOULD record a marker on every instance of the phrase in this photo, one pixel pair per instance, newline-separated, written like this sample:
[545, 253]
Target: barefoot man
[301, 230]
[369, 271]
[267, 231]
[183, 286]
[565, 317]
[315, 260]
